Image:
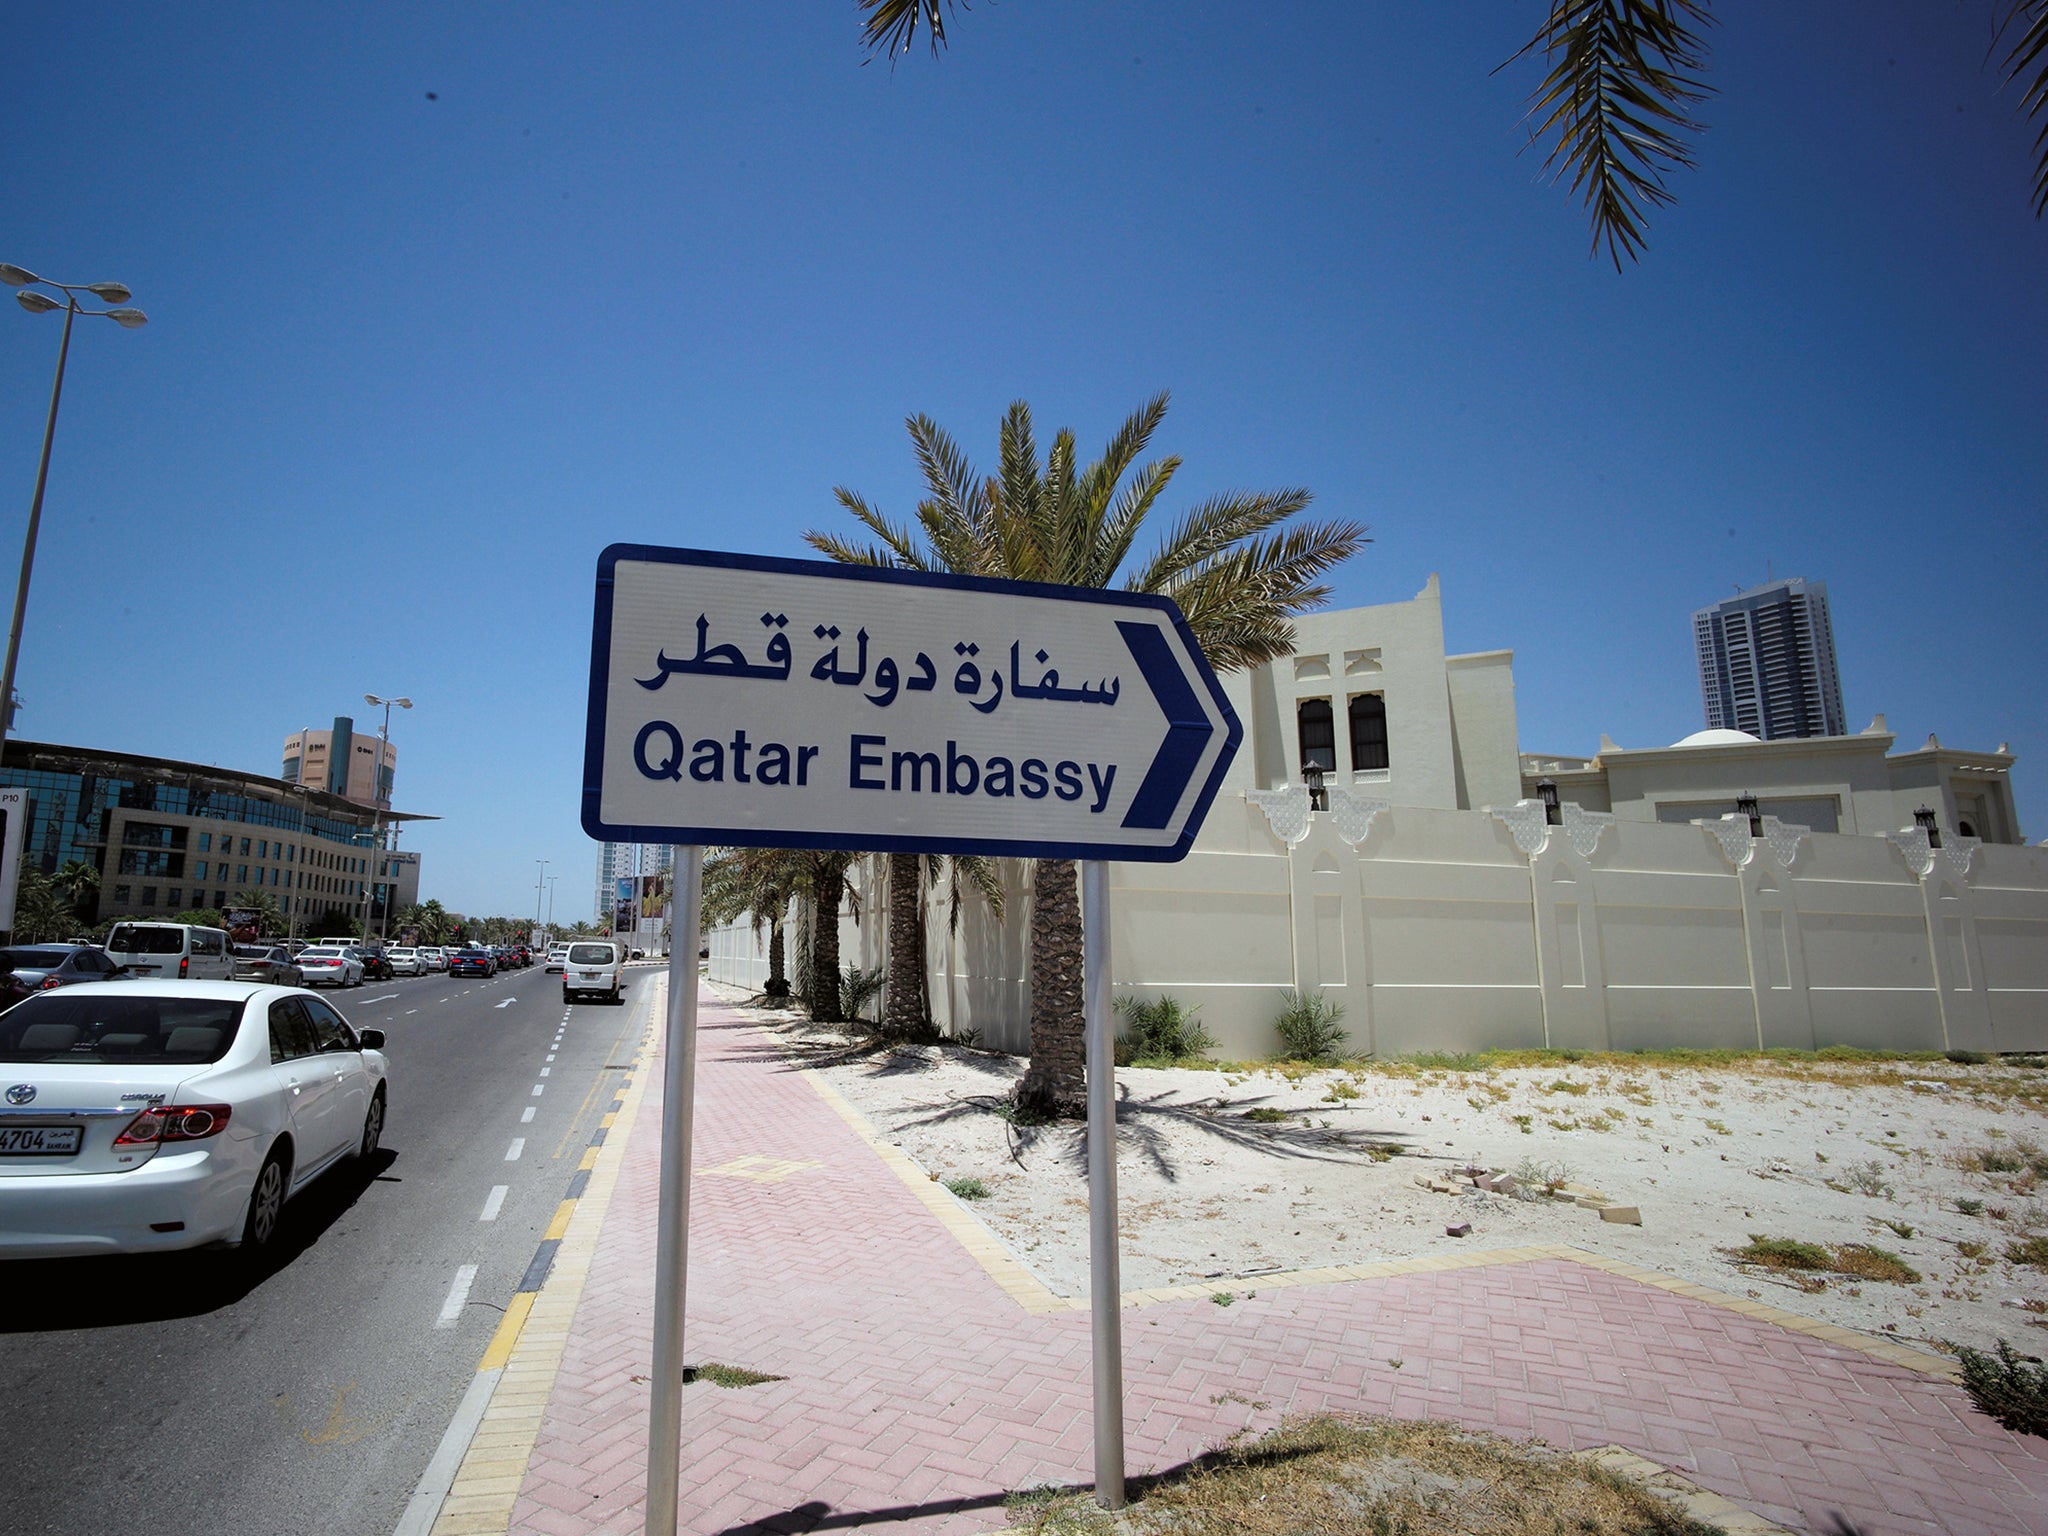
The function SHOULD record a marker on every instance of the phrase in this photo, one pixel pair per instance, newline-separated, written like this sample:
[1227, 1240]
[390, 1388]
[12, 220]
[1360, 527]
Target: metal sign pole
[1105, 1285]
[672, 1230]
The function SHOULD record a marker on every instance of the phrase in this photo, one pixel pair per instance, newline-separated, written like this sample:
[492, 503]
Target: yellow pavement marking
[762, 1170]
[561, 1222]
[1035, 1296]
[500, 1349]
[529, 1342]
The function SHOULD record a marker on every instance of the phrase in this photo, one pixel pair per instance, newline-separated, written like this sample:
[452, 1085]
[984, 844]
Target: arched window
[1318, 730]
[1368, 731]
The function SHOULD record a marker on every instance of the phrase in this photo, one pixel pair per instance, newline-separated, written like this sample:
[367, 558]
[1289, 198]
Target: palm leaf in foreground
[1624, 76]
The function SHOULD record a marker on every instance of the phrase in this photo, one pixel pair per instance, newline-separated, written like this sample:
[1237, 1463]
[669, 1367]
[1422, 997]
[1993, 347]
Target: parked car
[376, 962]
[150, 1115]
[406, 961]
[41, 967]
[271, 964]
[436, 957]
[556, 956]
[331, 965]
[180, 951]
[472, 962]
[593, 965]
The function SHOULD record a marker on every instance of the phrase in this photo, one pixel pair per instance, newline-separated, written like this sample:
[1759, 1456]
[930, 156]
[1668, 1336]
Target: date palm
[76, 879]
[1236, 574]
[1617, 101]
[907, 1004]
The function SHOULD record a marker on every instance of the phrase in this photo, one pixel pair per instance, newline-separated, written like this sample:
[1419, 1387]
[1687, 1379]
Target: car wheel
[568, 996]
[373, 1126]
[266, 1204]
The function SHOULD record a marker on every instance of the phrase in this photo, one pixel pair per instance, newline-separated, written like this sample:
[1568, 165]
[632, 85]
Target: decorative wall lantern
[1318, 797]
[1546, 791]
[1745, 805]
[1929, 823]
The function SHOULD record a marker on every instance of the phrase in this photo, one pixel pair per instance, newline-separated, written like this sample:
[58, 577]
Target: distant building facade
[1767, 662]
[341, 762]
[168, 836]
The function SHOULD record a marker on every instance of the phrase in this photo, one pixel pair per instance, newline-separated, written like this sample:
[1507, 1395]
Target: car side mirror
[372, 1039]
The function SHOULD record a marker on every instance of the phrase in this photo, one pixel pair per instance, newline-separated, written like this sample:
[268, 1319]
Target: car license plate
[40, 1140]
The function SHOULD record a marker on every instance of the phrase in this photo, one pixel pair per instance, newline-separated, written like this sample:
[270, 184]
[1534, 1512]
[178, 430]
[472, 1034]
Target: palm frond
[2030, 53]
[901, 543]
[1624, 76]
[1209, 528]
[1239, 604]
[1127, 514]
[890, 26]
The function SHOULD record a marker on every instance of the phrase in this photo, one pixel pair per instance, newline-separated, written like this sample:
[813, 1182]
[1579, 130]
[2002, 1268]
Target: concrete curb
[472, 1483]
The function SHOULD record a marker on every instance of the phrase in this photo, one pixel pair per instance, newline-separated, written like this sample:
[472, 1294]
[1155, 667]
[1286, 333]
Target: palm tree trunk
[903, 1013]
[778, 979]
[1054, 1084]
[824, 998]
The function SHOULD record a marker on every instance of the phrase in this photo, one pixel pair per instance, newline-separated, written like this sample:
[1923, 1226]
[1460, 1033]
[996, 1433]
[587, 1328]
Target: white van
[593, 965]
[174, 951]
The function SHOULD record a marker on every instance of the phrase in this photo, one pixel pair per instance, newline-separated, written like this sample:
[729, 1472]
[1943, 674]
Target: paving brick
[923, 1385]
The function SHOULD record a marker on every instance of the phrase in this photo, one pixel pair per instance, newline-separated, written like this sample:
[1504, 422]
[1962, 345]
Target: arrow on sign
[1187, 728]
[796, 703]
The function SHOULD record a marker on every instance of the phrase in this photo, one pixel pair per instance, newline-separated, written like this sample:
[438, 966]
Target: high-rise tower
[1767, 662]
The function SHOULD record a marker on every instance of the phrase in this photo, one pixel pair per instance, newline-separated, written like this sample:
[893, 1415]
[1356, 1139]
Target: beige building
[342, 762]
[1443, 905]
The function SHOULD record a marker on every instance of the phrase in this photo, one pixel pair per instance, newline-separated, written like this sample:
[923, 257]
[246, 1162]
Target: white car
[435, 957]
[593, 965]
[556, 957]
[406, 962]
[331, 965]
[141, 1116]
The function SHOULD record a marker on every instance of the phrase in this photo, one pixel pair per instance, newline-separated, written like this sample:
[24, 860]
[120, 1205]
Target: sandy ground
[1873, 1153]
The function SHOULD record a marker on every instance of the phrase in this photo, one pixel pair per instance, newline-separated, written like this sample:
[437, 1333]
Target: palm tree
[1237, 579]
[39, 914]
[269, 915]
[76, 879]
[1624, 77]
[755, 883]
[907, 1006]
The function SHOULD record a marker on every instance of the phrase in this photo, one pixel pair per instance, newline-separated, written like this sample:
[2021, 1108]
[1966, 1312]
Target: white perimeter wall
[1461, 930]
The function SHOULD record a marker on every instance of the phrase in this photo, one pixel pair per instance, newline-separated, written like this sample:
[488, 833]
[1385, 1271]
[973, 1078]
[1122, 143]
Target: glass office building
[168, 836]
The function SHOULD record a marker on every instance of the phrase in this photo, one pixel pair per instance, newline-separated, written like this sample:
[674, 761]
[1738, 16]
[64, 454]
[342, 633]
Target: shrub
[1868, 1263]
[1967, 1058]
[1160, 1030]
[2028, 1250]
[967, 1189]
[2007, 1388]
[1308, 1027]
[1782, 1253]
[861, 988]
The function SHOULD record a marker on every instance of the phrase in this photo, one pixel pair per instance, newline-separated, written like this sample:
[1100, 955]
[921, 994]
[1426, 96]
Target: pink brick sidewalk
[918, 1393]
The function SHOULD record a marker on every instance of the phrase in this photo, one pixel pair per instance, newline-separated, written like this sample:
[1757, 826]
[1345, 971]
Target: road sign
[800, 703]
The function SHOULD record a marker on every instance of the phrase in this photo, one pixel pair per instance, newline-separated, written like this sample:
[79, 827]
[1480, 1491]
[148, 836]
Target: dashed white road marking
[518, 1146]
[496, 1202]
[458, 1297]
[537, 1088]
[544, 1071]
[526, 1115]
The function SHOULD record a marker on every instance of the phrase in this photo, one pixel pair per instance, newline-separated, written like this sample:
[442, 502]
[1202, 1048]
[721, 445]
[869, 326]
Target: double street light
[32, 297]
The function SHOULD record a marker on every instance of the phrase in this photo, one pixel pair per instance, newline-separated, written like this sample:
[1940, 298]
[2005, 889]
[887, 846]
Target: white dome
[1718, 738]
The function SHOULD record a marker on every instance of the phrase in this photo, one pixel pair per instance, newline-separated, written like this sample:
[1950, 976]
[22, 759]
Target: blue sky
[670, 274]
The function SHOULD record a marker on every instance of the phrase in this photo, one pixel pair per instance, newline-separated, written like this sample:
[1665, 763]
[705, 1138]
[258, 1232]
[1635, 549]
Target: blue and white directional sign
[800, 703]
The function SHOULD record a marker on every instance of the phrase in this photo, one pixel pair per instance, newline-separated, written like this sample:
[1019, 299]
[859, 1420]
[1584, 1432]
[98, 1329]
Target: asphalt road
[307, 1394]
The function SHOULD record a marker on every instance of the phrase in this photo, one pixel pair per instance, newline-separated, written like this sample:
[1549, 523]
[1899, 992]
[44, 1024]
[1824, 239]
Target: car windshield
[140, 939]
[73, 1025]
[33, 959]
[590, 954]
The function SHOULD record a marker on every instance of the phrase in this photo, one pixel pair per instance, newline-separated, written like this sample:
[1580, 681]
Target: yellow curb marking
[762, 1170]
[531, 1338]
[561, 1222]
[500, 1349]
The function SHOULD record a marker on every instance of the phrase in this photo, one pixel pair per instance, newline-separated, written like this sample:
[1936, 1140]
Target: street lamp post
[31, 298]
[539, 888]
[378, 798]
[550, 924]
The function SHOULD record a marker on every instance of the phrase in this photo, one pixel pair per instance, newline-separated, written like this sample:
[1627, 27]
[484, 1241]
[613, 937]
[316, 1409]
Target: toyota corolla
[139, 1116]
